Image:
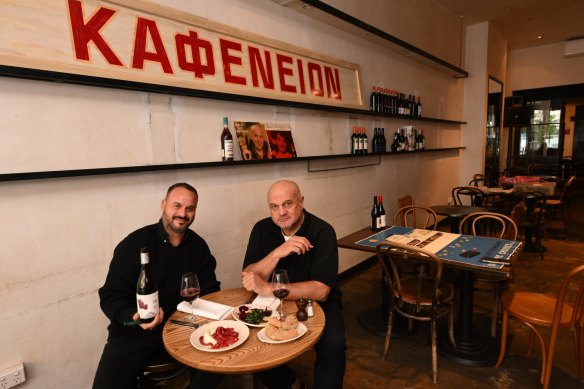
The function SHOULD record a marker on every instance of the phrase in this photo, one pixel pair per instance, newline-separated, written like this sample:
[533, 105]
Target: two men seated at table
[291, 239]
[306, 246]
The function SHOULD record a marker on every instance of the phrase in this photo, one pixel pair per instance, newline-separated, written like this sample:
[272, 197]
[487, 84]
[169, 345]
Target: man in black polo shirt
[174, 249]
[306, 246]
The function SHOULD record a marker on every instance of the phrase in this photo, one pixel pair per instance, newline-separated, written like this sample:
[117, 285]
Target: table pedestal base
[374, 321]
[480, 350]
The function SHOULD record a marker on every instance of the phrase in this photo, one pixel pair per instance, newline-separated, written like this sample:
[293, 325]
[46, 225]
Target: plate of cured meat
[219, 335]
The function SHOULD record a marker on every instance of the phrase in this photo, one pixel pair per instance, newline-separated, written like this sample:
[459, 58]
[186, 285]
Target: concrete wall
[59, 234]
[542, 66]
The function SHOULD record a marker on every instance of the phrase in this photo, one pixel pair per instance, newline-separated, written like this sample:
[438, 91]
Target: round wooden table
[251, 356]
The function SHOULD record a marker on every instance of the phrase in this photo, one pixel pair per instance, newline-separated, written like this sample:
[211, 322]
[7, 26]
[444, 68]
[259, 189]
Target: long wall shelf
[44, 75]
[181, 166]
[337, 18]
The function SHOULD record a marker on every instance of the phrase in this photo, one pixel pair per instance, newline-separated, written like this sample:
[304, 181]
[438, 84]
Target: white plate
[236, 325]
[301, 328]
[235, 315]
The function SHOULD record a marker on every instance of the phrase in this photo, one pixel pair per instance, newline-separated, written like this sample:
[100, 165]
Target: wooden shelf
[337, 18]
[181, 166]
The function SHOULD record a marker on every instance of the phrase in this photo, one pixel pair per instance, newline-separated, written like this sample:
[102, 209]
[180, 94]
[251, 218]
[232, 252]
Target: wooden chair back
[405, 201]
[416, 216]
[575, 276]
[489, 224]
[467, 195]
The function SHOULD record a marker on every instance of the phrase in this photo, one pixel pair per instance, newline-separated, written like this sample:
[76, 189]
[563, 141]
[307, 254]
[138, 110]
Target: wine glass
[190, 290]
[280, 287]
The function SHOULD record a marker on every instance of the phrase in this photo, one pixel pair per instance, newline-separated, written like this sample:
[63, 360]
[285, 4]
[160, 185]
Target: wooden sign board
[139, 41]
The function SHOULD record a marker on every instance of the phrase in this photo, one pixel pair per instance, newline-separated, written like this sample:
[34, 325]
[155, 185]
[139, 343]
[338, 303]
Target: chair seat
[410, 286]
[553, 202]
[535, 308]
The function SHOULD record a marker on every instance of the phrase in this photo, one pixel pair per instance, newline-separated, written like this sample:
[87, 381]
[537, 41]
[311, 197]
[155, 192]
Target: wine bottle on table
[226, 142]
[146, 290]
[375, 217]
[382, 221]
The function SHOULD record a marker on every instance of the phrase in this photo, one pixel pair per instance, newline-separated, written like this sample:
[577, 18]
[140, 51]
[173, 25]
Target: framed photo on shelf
[264, 140]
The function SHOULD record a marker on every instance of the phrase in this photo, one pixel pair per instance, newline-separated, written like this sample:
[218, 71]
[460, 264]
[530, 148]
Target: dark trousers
[123, 359]
[329, 368]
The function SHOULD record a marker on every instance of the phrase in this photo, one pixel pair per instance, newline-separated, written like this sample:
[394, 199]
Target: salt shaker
[309, 308]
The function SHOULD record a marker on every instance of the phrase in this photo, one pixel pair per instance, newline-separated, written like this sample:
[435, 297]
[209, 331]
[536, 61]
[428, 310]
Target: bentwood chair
[160, 368]
[562, 202]
[416, 216]
[467, 195]
[539, 310]
[498, 226]
[420, 296]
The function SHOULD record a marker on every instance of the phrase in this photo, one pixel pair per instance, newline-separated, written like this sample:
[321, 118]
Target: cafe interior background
[58, 234]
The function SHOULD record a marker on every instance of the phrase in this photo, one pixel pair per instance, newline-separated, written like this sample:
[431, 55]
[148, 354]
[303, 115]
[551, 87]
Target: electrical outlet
[12, 376]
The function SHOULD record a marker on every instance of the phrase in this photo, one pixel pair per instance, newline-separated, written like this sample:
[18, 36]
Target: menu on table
[473, 250]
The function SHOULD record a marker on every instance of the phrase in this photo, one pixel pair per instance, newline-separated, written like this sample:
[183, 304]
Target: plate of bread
[282, 331]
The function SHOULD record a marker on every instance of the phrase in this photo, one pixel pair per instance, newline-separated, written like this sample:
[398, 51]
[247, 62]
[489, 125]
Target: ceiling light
[539, 36]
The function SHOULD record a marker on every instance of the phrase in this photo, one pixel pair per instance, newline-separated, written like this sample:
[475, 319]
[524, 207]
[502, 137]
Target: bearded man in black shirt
[174, 249]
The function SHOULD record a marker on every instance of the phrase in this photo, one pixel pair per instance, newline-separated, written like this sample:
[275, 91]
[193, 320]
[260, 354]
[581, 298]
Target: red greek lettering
[332, 85]
[229, 60]
[143, 26]
[194, 44]
[284, 71]
[83, 33]
[256, 63]
[301, 76]
[312, 69]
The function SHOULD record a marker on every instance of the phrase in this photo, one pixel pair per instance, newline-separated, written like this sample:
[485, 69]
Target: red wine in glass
[280, 287]
[190, 290]
[190, 294]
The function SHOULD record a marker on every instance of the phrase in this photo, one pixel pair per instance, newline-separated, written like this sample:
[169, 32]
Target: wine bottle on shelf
[383, 141]
[395, 143]
[382, 222]
[365, 149]
[375, 217]
[226, 142]
[354, 143]
[359, 141]
[402, 139]
[373, 99]
[421, 140]
[146, 290]
[419, 107]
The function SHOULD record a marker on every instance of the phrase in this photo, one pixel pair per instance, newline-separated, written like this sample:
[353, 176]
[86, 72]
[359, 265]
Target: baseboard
[358, 268]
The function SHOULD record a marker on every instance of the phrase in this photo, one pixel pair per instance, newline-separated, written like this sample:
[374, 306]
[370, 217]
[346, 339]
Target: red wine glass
[190, 290]
[280, 287]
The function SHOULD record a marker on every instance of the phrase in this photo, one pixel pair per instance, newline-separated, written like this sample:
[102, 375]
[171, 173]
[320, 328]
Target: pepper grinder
[301, 315]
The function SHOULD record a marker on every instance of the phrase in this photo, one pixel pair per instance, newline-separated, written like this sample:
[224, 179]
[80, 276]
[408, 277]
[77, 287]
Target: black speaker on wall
[516, 115]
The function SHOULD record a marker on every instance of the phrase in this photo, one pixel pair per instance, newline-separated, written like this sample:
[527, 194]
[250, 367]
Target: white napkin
[206, 308]
[266, 301]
